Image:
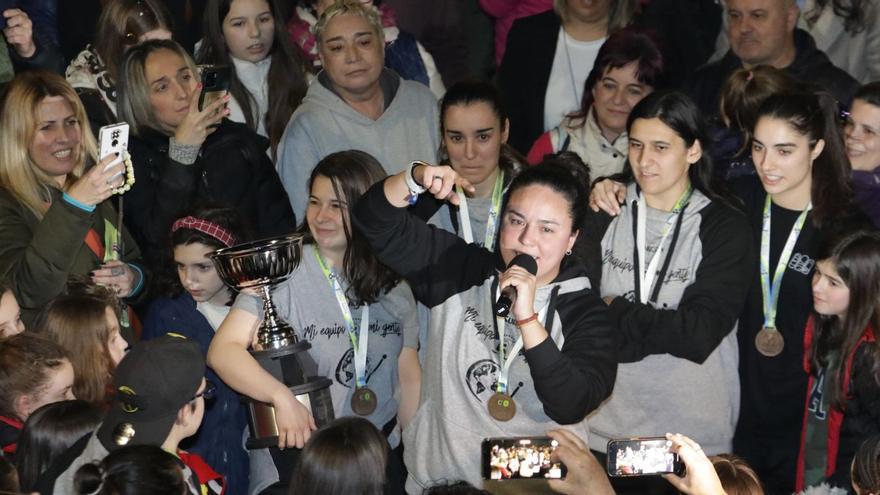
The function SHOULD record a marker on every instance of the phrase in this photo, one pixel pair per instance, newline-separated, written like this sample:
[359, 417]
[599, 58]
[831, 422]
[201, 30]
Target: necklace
[574, 86]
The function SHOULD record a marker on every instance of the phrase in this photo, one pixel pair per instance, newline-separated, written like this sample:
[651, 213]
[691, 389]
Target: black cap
[151, 383]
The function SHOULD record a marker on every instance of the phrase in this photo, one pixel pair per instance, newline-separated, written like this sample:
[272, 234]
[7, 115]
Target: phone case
[215, 80]
[112, 138]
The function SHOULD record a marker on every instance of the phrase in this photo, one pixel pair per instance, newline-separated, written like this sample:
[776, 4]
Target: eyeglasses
[208, 393]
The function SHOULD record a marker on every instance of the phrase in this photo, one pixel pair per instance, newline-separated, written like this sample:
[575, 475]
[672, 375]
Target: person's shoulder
[542, 20]
[416, 93]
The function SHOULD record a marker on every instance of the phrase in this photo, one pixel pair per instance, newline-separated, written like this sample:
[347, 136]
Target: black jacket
[810, 65]
[524, 74]
[232, 170]
[440, 267]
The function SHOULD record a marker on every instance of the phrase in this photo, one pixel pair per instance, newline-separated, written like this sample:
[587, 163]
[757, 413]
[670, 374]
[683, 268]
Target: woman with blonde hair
[56, 220]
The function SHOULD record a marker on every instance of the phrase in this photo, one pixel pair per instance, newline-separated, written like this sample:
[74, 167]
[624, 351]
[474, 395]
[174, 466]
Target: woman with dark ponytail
[803, 198]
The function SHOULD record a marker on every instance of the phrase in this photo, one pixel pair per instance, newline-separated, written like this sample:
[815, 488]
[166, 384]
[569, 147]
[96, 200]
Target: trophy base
[314, 395]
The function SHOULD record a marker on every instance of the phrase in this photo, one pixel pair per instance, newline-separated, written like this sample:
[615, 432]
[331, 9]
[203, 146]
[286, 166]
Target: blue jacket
[220, 438]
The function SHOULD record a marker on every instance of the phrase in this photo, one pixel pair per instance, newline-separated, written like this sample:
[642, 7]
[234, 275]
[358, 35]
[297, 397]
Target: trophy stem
[274, 332]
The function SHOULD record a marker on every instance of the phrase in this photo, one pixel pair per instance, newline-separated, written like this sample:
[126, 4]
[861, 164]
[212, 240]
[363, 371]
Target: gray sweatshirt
[325, 123]
[678, 355]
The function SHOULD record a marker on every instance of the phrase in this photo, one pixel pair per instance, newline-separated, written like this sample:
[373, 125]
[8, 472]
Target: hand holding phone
[520, 458]
[197, 124]
[215, 84]
[700, 477]
[585, 474]
[647, 456]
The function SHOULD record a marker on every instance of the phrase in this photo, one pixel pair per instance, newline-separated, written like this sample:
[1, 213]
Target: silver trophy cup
[263, 265]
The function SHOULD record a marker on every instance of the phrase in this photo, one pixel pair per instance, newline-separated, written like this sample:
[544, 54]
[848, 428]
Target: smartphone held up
[647, 456]
[521, 459]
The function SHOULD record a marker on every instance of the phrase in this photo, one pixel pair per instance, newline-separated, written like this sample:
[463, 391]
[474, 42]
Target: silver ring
[437, 177]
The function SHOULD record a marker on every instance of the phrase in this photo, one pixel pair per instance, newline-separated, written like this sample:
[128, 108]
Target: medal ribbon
[491, 221]
[770, 292]
[505, 364]
[360, 340]
[647, 277]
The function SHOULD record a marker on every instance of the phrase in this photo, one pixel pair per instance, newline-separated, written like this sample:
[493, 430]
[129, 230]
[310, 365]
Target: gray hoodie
[325, 123]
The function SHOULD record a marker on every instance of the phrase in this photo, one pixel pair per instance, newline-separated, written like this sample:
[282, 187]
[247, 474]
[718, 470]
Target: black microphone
[508, 294]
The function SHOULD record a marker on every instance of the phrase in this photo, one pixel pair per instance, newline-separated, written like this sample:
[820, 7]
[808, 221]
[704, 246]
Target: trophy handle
[274, 332]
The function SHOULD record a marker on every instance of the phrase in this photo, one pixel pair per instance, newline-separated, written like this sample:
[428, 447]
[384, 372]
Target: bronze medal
[363, 401]
[502, 407]
[769, 342]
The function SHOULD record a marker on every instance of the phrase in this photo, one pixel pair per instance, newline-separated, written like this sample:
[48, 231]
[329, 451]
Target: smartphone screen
[520, 459]
[642, 457]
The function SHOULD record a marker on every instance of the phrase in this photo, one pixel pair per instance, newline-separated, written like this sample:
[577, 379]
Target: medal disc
[769, 342]
[363, 401]
[502, 407]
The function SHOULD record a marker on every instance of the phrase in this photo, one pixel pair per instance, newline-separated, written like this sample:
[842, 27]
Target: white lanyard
[360, 341]
[506, 363]
[492, 219]
[648, 277]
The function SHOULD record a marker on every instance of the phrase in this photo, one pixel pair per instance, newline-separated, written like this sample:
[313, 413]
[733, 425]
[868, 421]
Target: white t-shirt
[572, 64]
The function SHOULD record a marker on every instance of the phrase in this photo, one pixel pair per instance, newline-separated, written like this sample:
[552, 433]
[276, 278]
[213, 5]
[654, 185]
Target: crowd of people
[681, 219]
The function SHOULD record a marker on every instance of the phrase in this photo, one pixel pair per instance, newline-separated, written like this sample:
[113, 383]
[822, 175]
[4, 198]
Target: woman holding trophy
[359, 319]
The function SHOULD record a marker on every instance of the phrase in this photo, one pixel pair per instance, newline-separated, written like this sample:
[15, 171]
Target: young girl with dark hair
[268, 73]
[804, 197]
[377, 327]
[194, 303]
[477, 383]
[85, 322]
[474, 129]
[134, 470]
[47, 433]
[345, 457]
[842, 357]
[628, 67]
[671, 265]
[34, 371]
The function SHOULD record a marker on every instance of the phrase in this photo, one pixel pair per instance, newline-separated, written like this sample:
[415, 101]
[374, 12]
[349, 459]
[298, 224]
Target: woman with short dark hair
[629, 67]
